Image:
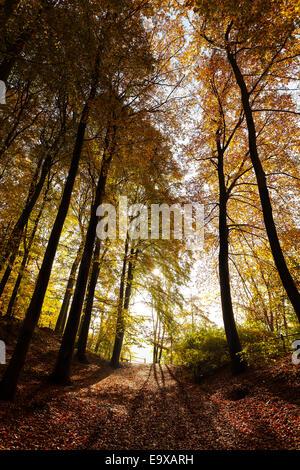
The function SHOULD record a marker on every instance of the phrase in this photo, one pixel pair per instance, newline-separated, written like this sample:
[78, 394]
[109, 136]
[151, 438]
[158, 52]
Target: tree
[63, 364]
[9, 381]
[123, 303]
[27, 248]
[270, 47]
[87, 316]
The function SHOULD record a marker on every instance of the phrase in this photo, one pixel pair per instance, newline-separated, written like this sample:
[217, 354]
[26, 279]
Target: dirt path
[148, 407]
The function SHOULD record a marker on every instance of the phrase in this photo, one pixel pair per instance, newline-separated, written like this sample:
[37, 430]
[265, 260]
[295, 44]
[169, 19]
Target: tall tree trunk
[114, 362]
[120, 329]
[27, 248]
[158, 342]
[162, 343]
[155, 329]
[237, 364]
[8, 384]
[62, 317]
[12, 245]
[155, 354]
[83, 337]
[7, 272]
[276, 249]
[100, 333]
[62, 369]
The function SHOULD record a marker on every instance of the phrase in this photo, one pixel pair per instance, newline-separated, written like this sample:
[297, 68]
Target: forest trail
[149, 407]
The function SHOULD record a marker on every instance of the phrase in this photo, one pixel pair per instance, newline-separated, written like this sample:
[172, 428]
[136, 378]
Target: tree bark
[162, 343]
[13, 243]
[237, 364]
[100, 334]
[114, 362]
[27, 248]
[120, 329]
[276, 249]
[62, 317]
[83, 337]
[61, 372]
[8, 384]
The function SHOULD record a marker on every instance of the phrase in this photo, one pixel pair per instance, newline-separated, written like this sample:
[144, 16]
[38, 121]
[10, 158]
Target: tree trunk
[276, 249]
[100, 333]
[237, 364]
[8, 384]
[83, 337]
[162, 343]
[61, 372]
[27, 248]
[12, 245]
[62, 317]
[155, 329]
[7, 272]
[115, 358]
[120, 329]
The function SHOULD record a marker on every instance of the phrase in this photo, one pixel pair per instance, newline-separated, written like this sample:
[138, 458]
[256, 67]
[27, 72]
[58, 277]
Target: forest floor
[149, 407]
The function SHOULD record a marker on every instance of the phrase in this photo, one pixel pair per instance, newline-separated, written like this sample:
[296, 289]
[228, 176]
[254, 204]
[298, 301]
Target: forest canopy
[167, 103]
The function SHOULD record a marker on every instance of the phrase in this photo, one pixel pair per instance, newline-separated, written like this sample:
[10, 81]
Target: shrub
[260, 345]
[203, 350]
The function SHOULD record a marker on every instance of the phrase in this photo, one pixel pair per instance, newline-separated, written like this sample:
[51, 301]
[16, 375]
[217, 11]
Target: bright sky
[202, 283]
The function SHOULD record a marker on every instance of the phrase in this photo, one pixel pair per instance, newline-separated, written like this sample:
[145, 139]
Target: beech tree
[166, 102]
[9, 381]
[226, 27]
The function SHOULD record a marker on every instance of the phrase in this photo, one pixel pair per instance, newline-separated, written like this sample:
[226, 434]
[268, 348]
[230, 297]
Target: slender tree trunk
[158, 342]
[61, 372]
[100, 334]
[84, 303]
[155, 328]
[162, 343]
[276, 249]
[62, 317]
[13, 243]
[83, 337]
[7, 272]
[13, 297]
[284, 316]
[27, 248]
[237, 364]
[8, 384]
[120, 331]
[114, 362]
[155, 354]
